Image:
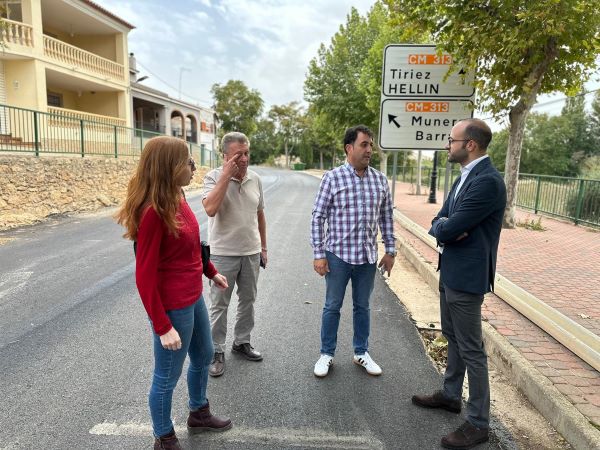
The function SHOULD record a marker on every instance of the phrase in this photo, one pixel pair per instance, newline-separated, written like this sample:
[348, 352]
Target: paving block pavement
[561, 267]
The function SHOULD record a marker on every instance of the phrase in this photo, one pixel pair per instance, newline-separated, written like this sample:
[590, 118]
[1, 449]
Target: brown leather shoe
[247, 351]
[217, 366]
[437, 400]
[167, 442]
[202, 420]
[465, 436]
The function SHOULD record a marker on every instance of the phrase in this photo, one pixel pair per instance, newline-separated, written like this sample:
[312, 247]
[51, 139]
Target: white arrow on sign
[411, 71]
[420, 124]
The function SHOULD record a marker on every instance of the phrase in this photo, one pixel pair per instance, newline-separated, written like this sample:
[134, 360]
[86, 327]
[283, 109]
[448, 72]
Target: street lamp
[181, 70]
[434, 174]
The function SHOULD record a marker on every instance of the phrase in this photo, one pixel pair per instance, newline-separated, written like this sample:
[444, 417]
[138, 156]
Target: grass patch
[534, 225]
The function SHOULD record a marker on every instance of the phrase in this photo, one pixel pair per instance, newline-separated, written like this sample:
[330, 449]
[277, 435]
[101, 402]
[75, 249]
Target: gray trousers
[243, 272]
[461, 325]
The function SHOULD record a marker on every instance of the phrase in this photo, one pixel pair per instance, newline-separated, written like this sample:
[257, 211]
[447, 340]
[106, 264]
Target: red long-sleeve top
[168, 270]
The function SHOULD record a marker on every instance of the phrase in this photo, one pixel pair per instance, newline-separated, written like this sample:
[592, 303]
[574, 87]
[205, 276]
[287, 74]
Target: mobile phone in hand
[262, 262]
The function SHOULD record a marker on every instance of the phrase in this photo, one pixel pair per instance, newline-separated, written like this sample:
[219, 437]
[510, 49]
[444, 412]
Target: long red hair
[155, 183]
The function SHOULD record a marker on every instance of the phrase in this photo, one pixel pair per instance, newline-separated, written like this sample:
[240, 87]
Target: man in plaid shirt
[353, 199]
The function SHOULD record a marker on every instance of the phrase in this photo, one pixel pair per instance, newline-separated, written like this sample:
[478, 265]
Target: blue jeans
[362, 276]
[194, 330]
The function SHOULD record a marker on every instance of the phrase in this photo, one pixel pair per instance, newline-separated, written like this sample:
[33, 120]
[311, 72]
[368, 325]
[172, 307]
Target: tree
[590, 166]
[321, 137]
[519, 49]
[289, 123]
[369, 83]
[544, 151]
[331, 85]
[331, 82]
[237, 106]
[264, 142]
[344, 80]
[595, 123]
[552, 145]
[579, 140]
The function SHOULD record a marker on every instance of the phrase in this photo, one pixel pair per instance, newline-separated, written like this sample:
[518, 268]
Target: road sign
[418, 108]
[416, 124]
[417, 71]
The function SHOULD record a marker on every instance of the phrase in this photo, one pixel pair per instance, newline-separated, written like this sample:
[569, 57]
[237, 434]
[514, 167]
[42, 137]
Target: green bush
[590, 206]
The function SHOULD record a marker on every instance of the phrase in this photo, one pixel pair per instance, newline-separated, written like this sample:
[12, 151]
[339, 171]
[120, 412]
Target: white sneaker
[368, 363]
[322, 366]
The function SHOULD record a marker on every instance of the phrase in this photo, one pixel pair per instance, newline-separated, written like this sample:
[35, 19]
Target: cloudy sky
[267, 44]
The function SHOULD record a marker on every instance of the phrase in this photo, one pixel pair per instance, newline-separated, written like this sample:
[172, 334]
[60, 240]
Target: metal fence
[36, 132]
[575, 199]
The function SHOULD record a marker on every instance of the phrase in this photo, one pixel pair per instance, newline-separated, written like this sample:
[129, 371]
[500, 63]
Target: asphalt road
[76, 362]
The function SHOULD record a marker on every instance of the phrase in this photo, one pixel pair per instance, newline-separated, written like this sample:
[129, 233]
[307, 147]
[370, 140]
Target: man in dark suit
[467, 229]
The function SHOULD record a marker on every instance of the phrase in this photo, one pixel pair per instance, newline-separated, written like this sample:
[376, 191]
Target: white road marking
[307, 438]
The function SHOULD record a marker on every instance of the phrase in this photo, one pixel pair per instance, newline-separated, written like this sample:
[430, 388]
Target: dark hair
[352, 134]
[477, 130]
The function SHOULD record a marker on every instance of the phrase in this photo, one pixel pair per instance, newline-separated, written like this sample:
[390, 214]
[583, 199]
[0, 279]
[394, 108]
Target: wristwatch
[392, 253]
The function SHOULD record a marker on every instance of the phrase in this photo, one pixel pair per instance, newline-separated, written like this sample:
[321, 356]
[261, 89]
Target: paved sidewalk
[561, 267]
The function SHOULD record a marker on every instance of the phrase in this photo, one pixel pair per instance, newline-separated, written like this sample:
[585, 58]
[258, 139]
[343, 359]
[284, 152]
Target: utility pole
[181, 70]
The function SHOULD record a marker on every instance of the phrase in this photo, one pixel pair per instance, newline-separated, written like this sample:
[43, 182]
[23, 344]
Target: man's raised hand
[230, 167]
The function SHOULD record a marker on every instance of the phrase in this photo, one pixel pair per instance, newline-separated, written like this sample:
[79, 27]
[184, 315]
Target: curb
[542, 394]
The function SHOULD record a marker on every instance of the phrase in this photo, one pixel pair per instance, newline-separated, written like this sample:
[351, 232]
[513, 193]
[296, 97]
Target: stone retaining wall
[31, 189]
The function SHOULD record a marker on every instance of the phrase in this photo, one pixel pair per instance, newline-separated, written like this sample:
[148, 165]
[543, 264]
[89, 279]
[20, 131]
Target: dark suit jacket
[469, 265]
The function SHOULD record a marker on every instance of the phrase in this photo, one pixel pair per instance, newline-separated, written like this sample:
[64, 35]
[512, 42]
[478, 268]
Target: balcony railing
[79, 58]
[88, 117]
[17, 33]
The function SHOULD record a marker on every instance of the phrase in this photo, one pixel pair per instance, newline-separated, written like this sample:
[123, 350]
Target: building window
[11, 10]
[55, 99]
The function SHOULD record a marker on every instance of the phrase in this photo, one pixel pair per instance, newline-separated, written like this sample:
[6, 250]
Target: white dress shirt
[464, 172]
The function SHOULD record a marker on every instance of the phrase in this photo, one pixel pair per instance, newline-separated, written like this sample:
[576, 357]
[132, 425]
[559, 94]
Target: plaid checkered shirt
[352, 207]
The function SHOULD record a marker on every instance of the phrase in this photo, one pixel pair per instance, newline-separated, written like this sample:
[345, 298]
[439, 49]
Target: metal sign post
[394, 171]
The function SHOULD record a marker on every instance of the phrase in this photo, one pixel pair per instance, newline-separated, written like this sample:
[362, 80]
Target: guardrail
[36, 132]
[575, 199]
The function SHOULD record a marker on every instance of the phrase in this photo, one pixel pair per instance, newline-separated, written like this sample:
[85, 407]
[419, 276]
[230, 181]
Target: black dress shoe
[466, 436]
[247, 351]
[217, 366]
[437, 400]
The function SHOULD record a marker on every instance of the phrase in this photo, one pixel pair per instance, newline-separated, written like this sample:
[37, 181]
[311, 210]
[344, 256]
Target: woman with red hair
[169, 280]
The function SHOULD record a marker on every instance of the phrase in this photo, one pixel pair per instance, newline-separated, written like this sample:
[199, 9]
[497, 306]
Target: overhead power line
[549, 102]
[166, 83]
[562, 99]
